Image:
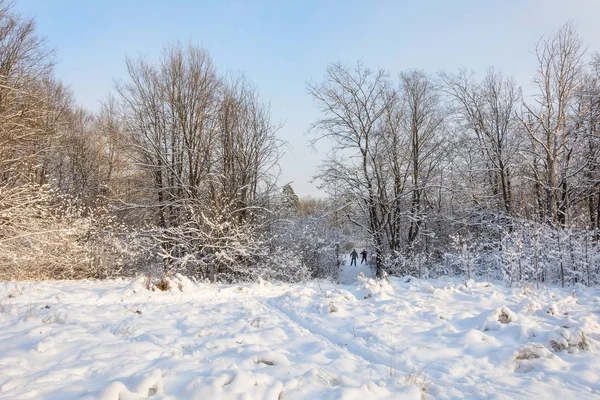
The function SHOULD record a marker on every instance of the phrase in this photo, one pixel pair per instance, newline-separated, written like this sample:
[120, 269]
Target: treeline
[455, 173]
[177, 171]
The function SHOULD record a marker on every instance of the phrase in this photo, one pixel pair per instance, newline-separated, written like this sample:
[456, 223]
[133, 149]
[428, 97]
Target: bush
[47, 236]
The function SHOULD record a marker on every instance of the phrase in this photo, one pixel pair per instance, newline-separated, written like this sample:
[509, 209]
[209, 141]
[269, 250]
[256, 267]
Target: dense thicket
[177, 171]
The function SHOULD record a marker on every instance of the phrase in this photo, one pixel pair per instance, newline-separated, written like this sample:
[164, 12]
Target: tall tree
[548, 123]
[354, 102]
[487, 110]
[423, 124]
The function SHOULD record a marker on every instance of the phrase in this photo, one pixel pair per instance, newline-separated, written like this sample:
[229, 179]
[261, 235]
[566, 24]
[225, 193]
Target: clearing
[406, 338]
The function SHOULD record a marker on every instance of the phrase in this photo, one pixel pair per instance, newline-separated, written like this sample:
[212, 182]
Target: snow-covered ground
[403, 339]
[348, 274]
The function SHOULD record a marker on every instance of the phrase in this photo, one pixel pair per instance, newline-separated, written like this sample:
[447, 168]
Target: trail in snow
[340, 342]
[348, 274]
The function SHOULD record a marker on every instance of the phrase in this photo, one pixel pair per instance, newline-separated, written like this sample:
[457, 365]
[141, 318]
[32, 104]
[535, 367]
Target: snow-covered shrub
[310, 244]
[206, 247]
[532, 351]
[218, 247]
[44, 235]
[465, 259]
[318, 249]
[162, 284]
[522, 252]
[512, 257]
[494, 320]
[398, 263]
[466, 254]
[569, 339]
[377, 288]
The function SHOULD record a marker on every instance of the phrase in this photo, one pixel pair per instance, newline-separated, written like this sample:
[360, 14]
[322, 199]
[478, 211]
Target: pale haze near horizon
[281, 46]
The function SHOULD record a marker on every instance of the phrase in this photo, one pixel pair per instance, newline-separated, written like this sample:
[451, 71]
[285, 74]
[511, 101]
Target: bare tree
[26, 112]
[587, 129]
[423, 124]
[171, 113]
[353, 102]
[559, 73]
[210, 147]
[249, 151]
[488, 110]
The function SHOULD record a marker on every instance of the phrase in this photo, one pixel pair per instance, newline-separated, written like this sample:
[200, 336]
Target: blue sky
[281, 45]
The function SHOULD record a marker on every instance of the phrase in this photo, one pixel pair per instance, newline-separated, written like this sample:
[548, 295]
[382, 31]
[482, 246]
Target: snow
[403, 338]
[349, 273]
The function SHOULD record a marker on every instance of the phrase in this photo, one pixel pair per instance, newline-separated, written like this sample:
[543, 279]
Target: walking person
[364, 256]
[353, 257]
